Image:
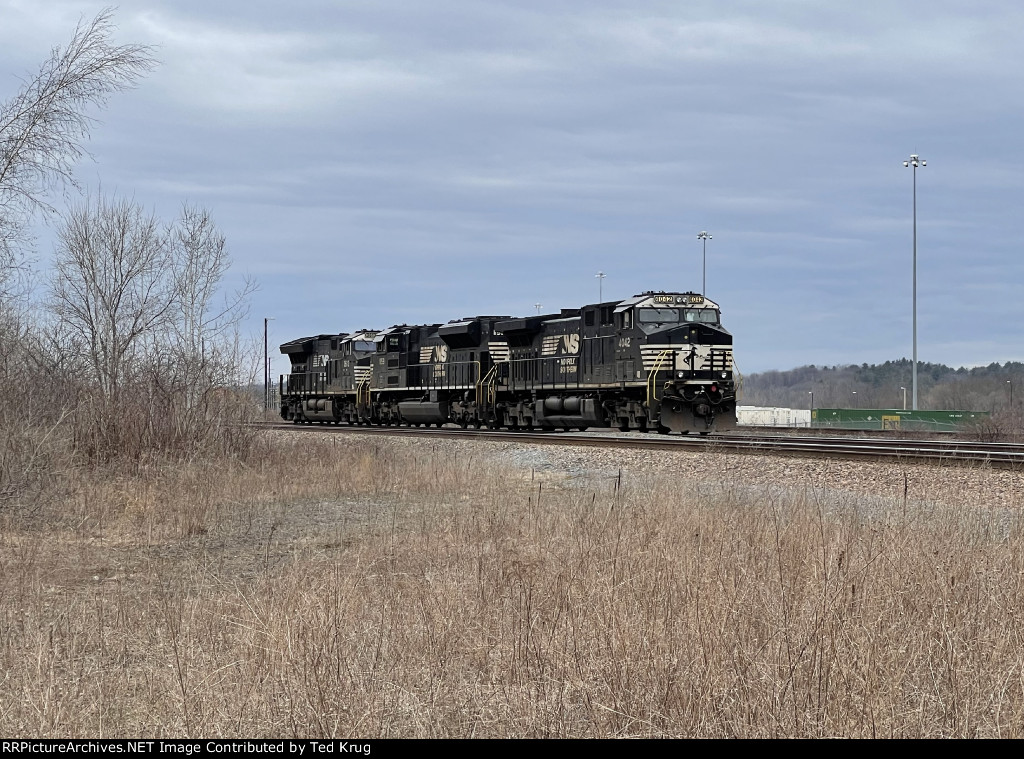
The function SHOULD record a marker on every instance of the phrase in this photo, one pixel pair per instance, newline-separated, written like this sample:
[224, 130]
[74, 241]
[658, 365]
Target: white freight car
[764, 416]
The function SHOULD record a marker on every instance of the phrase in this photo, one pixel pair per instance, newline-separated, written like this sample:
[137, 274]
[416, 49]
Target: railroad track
[1004, 455]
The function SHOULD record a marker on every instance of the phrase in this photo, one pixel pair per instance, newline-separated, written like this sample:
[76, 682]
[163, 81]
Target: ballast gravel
[951, 484]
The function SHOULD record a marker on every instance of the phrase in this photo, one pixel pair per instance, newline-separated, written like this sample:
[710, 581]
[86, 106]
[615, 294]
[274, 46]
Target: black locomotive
[657, 361]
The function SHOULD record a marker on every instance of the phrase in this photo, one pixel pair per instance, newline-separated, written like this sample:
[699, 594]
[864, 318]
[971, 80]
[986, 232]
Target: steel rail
[995, 454]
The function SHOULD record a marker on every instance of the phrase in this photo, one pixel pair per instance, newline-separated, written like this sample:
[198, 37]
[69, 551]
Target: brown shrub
[356, 587]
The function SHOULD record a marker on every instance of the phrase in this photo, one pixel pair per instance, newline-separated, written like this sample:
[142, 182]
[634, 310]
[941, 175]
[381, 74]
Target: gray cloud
[399, 161]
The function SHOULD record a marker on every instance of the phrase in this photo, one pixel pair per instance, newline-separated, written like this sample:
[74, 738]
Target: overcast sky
[392, 161]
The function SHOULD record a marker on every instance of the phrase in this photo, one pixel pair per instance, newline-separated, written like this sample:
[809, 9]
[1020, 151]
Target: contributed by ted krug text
[294, 748]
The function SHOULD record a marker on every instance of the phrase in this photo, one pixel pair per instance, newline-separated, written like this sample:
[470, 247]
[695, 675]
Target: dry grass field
[357, 587]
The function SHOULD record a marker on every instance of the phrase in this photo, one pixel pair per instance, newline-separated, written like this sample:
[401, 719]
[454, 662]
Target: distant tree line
[939, 387]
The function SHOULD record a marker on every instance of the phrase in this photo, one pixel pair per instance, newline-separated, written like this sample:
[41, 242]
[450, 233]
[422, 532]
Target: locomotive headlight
[724, 375]
[680, 375]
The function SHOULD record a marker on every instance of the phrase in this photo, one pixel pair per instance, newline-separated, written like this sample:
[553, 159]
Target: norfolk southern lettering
[655, 362]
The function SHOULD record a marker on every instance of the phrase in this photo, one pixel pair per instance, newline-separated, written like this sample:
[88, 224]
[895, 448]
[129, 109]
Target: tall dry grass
[355, 587]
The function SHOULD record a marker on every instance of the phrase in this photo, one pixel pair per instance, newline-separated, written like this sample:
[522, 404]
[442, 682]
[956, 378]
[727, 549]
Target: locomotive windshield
[674, 315]
[705, 315]
[657, 315]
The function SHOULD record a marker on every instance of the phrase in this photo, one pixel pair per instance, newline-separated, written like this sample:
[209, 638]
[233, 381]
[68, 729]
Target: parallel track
[1003, 455]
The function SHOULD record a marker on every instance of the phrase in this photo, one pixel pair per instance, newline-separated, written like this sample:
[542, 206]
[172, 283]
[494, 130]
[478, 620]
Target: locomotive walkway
[1003, 455]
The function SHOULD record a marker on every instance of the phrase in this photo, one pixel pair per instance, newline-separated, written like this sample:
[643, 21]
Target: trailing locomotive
[657, 361]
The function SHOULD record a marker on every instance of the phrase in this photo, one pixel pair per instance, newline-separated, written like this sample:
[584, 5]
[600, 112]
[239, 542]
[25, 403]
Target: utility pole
[704, 237]
[914, 162]
[266, 365]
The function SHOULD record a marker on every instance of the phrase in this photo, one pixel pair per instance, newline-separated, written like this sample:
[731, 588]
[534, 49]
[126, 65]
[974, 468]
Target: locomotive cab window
[703, 315]
[657, 315]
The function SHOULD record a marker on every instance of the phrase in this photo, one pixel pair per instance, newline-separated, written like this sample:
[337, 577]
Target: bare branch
[43, 128]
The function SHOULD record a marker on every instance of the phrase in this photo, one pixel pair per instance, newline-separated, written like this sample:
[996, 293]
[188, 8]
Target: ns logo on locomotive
[657, 361]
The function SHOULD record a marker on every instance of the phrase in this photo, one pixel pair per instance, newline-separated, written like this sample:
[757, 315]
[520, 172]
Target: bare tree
[203, 345]
[110, 289]
[43, 127]
[199, 262]
[141, 303]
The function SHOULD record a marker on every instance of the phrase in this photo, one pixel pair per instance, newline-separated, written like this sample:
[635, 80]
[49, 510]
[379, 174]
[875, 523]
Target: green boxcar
[894, 419]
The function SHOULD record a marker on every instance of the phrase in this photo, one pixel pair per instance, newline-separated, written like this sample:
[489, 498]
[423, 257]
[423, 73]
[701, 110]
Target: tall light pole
[266, 365]
[704, 237]
[1010, 384]
[913, 162]
[811, 393]
[600, 282]
[537, 306]
[904, 398]
[855, 399]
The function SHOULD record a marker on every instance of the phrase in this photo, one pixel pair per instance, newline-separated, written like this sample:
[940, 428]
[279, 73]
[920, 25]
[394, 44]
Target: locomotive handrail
[364, 385]
[487, 385]
[432, 382]
[651, 389]
[538, 362]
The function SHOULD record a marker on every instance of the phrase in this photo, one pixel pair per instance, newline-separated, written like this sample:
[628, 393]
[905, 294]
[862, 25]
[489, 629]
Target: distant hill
[983, 388]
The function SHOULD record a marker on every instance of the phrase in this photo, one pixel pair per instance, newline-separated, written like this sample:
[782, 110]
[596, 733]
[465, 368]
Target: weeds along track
[1008, 455]
[433, 587]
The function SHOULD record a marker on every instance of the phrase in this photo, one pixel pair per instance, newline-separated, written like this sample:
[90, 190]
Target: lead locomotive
[657, 361]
